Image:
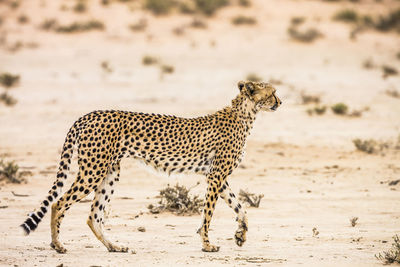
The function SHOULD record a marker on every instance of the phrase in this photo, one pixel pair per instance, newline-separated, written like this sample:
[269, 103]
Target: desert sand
[306, 166]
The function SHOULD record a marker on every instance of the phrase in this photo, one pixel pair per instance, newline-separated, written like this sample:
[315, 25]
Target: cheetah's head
[261, 93]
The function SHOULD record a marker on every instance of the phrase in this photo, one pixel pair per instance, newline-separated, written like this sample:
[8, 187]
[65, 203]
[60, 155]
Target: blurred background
[335, 64]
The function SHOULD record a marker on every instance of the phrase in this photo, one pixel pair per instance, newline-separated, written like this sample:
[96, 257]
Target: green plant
[159, 7]
[149, 60]
[209, 7]
[8, 80]
[393, 254]
[177, 200]
[243, 20]
[253, 77]
[76, 27]
[346, 15]
[306, 36]
[340, 109]
[7, 99]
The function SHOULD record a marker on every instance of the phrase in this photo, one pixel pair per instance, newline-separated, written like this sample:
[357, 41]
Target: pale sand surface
[306, 166]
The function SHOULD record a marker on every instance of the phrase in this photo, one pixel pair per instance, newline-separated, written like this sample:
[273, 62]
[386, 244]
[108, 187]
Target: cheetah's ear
[250, 88]
[246, 88]
[241, 85]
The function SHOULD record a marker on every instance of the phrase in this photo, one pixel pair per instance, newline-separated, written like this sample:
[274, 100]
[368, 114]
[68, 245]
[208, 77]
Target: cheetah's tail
[36, 216]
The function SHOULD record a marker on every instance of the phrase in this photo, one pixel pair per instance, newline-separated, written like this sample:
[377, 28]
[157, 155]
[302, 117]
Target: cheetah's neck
[245, 110]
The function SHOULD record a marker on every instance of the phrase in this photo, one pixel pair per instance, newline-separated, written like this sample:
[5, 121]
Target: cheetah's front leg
[230, 199]
[209, 206]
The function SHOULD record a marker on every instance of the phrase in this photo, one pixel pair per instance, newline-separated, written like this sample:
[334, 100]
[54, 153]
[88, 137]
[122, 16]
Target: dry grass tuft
[253, 77]
[243, 20]
[251, 199]
[167, 69]
[159, 7]
[309, 99]
[353, 221]
[389, 71]
[393, 254]
[9, 80]
[393, 93]
[149, 60]
[318, 110]
[177, 200]
[7, 99]
[9, 172]
[77, 27]
[141, 25]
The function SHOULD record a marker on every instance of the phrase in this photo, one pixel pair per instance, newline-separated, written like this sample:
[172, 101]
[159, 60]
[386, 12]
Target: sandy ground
[306, 166]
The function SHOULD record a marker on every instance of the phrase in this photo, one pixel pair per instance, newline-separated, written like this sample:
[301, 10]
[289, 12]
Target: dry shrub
[251, 199]
[389, 22]
[77, 27]
[253, 77]
[7, 99]
[141, 25]
[48, 24]
[309, 99]
[353, 221]
[23, 19]
[306, 36]
[389, 71]
[149, 60]
[393, 254]
[80, 7]
[9, 172]
[393, 93]
[8, 80]
[372, 146]
[318, 110]
[297, 20]
[198, 23]
[167, 69]
[159, 7]
[209, 7]
[245, 3]
[243, 20]
[177, 200]
[346, 15]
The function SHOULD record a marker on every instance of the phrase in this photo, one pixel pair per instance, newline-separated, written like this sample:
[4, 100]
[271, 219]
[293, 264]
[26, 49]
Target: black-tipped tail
[33, 220]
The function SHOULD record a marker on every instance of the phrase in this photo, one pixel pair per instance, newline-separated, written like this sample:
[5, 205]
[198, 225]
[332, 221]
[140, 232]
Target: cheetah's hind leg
[73, 195]
[97, 215]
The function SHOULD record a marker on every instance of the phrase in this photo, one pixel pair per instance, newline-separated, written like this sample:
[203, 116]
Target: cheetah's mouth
[274, 107]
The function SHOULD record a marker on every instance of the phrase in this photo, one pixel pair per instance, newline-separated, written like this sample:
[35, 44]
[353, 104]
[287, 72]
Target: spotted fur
[212, 145]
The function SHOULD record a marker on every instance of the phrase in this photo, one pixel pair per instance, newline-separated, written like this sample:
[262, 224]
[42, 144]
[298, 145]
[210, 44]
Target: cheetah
[211, 145]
